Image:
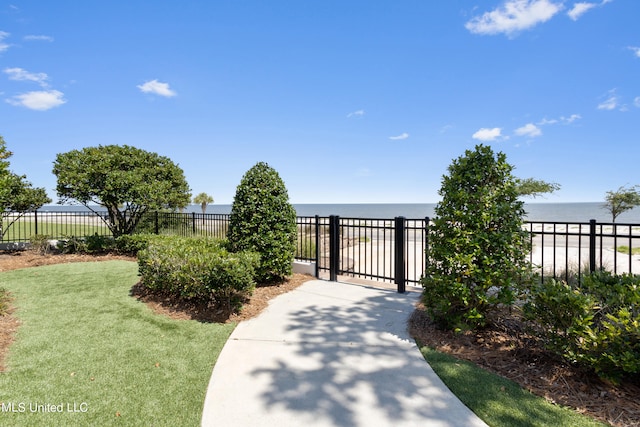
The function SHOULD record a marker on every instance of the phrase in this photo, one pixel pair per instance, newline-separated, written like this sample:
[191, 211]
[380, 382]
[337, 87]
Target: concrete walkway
[329, 354]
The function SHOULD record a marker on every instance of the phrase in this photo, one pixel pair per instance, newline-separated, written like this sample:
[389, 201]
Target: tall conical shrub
[263, 221]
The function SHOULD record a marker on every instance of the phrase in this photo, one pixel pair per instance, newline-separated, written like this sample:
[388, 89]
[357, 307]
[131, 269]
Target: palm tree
[203, 199]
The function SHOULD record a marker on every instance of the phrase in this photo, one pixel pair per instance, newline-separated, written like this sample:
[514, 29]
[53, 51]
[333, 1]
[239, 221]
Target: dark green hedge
[198, 269]
[594, 323]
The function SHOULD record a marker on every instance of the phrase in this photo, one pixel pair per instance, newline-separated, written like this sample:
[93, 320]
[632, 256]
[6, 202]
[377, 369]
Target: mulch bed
[506, 349]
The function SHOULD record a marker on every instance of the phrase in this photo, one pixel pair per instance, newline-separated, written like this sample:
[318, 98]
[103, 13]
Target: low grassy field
[88, 349]
[25, 230]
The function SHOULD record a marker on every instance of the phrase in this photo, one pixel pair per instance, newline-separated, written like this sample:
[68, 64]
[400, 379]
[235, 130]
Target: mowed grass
[625, 250]
[25, 230]
[106, 358]
[500, 402]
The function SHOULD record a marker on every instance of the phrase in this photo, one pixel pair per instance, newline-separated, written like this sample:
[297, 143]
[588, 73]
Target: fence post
[35, 217]
[426, 242]
[592, 246]
[399, 254]
[334, 247]
[193, 222]
[155, 223]
[317, 246]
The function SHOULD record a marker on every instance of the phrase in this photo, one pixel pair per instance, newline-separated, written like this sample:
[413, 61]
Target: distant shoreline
[536, 211]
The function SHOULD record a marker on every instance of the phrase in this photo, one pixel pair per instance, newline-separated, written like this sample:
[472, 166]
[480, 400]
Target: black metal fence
[388, 250]
[564, 250]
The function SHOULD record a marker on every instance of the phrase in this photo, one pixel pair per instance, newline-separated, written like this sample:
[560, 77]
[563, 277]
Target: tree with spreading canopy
[530, 187]
[17, 195]
[622, 200]
[126, 181]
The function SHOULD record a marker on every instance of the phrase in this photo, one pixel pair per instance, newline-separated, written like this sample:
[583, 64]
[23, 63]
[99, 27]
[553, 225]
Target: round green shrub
[477, 246]
[263, 221]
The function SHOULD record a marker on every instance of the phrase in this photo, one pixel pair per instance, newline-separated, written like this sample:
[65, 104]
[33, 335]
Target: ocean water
[549, 212]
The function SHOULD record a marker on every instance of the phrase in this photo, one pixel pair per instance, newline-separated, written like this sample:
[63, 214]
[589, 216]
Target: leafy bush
[40, 243]
[477, 246]
[131, 244]
[72, 245]
[595, 323]
[88, 244]
[98, 243]
[262, 220]
[198, 269]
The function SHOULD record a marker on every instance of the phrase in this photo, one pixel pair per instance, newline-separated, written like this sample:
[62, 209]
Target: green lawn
[88, 346]
[24, 230]
[500, 402]
[625, 250]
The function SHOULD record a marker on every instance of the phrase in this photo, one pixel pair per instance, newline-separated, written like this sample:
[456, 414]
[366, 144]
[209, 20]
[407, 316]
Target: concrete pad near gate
[330, 354]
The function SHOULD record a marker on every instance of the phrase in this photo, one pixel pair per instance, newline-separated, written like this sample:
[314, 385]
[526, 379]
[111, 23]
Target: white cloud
[446, 128]
[157, 88]
[611, 103]
[529, 130]
[572, 118]
[3, 46]
[402, 136]
[514, 16]
[582, 7]
[579, 9]
[636, 101]
[39, 100]
[358, 113]
[546, 121]
[486, 134]
[38, 38]
[563, 120]
[21, 74]
[636, 50]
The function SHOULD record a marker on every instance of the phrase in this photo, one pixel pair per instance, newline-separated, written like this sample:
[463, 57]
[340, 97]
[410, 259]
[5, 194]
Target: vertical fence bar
[592, 245]
[334, 247]
[399, 230]
[35, 219]
[317, 246]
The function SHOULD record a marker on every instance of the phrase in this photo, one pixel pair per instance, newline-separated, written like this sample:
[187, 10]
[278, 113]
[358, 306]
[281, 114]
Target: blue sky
[350, 101]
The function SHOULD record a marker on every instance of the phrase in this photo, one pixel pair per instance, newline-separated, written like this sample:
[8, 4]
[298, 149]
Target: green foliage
[198, 269]
[622, 200]
[203, 199]
[534, 187]
[263, 221]
[40, 243]
[99, 244]
[72, 245]
[477, 246]
[625, 250]
[595, 323]
[131, 244]
[125, 180]
[16, 194]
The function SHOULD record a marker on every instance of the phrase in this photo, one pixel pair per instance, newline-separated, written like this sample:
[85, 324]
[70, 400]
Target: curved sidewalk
[329, 354]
